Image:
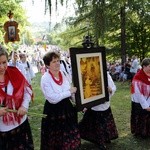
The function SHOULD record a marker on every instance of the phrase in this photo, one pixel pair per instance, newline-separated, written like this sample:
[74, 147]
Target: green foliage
[27, 38]
[18, 15]
[102, 20]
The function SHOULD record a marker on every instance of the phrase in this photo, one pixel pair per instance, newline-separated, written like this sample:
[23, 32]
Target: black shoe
[102, 147]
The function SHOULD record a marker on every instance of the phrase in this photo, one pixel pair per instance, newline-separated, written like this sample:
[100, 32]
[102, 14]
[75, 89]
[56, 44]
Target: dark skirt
[19, 138]
[59, 130]
[140, 121]
[98, 126]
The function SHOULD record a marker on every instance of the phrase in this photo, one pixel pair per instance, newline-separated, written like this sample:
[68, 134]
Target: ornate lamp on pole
[87, 42]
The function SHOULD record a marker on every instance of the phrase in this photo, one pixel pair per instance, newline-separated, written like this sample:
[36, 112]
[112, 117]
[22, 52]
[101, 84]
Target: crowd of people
[61, 129]
[126, 71]
[20, 61]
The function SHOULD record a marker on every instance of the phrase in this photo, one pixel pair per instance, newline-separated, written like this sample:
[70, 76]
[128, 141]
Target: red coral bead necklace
[60, 81]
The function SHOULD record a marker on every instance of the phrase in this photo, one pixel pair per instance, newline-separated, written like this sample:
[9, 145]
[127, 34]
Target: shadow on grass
[127, 142]
[85, 145]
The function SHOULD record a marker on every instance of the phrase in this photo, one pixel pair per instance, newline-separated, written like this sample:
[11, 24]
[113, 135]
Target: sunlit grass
[121, 107]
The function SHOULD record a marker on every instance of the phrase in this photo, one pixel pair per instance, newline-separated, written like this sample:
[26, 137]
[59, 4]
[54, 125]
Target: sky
[35, 11]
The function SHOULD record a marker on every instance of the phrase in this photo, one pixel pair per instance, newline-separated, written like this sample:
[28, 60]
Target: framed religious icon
[11, 29]
[11, 33]
[89, 76]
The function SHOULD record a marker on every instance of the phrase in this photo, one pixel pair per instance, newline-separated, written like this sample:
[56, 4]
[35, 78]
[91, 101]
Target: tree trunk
[123, 35]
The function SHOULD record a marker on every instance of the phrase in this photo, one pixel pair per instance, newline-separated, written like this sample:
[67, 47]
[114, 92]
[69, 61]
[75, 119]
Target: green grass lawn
[120, 104]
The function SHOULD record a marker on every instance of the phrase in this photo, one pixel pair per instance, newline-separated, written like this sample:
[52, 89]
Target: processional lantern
[87, 42]
[11, 29]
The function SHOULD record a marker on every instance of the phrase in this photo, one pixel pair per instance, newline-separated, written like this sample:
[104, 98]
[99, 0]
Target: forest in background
[122, 26]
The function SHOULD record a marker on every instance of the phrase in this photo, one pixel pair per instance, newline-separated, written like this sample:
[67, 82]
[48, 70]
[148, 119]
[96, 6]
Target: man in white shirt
[134, 66]
[14, 61]
[29, 73]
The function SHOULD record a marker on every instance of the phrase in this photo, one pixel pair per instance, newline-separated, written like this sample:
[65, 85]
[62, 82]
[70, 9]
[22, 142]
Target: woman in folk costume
[98, 125]
[140, 96]
[59, 130]
[15, 95]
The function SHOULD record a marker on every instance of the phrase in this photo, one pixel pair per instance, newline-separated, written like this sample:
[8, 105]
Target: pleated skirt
[98, 126]
[59, 130]
[19, 138]
[140, 121]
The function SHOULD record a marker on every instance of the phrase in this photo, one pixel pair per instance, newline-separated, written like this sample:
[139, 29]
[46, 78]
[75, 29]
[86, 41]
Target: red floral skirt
[59, 130]
[98, 126]
[19, 138]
